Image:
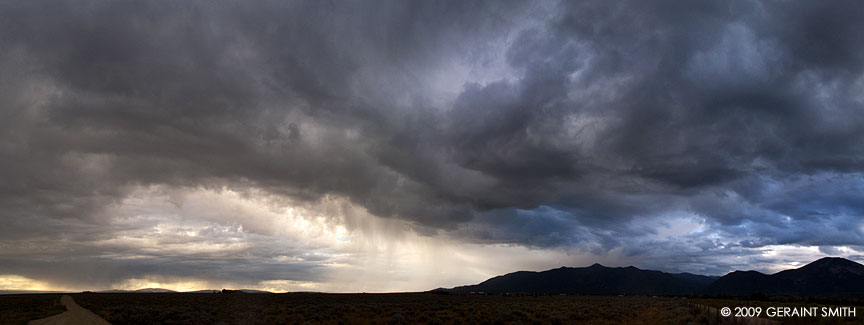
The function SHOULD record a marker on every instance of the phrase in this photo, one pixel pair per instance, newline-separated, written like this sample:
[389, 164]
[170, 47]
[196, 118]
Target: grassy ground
[405, 308]
[381, 309]
[764, 304]
[18, 309]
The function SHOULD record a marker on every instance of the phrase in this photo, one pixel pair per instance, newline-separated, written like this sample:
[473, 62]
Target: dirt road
[74, 314]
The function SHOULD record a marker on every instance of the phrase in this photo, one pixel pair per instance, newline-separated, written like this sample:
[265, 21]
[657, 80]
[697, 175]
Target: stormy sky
[408, 145]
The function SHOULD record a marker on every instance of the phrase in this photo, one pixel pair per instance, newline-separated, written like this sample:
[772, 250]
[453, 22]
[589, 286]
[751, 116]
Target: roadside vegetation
[19, 309]
[399, 308]
[404, 308]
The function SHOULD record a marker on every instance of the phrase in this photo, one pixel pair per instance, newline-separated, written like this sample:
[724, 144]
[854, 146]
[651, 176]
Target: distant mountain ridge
[160, 290]
[595, 279]
[828, 276]
[145, 290]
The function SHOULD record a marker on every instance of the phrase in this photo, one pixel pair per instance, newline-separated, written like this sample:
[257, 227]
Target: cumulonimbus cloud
[546, 125]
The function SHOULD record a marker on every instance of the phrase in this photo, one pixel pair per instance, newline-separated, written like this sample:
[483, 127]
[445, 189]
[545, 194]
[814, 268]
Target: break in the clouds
[404, 145]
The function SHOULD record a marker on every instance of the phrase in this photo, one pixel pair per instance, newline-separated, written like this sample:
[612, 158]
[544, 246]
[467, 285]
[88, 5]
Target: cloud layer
[683, 136]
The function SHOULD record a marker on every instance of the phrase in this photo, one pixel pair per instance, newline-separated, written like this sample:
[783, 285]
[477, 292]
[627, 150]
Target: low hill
[146, 290]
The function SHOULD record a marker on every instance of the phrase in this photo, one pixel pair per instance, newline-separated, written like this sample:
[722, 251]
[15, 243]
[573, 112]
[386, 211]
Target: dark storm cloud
[704, 102]
[163, 87]
[748, 114]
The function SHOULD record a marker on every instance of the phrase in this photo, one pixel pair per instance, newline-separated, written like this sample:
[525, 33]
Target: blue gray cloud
[588, 125]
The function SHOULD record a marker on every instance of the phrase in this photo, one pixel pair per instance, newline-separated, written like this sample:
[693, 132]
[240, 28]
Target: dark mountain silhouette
[243, 291]
[824, 277]
[155, 290]
[160, 290]
[701, 280]
[740, 283]
[146, 290]
[828, 276]
[595, 279]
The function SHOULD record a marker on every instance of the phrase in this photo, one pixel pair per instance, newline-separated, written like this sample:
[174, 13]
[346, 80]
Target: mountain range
[825, 277]
[160, 290]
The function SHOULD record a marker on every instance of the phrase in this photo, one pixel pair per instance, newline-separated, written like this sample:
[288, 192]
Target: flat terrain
[378, 308]
[777, 303]
[244, 308]
[74, 315]
[18, 309]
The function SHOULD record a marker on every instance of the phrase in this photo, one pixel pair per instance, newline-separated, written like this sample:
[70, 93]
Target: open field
[791, 303]
[241, 308]
[18, 309]
[180, 308]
